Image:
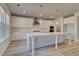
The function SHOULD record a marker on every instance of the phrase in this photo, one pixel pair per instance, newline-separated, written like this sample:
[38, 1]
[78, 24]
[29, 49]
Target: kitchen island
[57, 38]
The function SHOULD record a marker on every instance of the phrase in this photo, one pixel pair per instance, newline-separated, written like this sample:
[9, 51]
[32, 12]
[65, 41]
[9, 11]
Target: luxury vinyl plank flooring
[18, 48]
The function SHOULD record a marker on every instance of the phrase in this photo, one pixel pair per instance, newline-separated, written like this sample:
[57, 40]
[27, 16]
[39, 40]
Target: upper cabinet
[21, 22]
[46, 23]
[69, 20]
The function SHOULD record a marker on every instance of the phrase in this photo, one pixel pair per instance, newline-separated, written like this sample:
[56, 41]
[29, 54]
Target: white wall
[70, 28]
[76, 25]
[6, 41]
[69, 20]
[78, 28]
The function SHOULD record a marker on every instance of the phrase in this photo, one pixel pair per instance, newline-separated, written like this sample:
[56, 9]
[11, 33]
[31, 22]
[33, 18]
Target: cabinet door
[22, 22]
[69, 20]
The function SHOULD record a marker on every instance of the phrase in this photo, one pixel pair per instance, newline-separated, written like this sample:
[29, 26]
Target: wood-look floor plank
[18, 48]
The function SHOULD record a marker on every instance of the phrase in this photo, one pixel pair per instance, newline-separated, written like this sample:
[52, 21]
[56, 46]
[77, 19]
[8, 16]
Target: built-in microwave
[51, 29]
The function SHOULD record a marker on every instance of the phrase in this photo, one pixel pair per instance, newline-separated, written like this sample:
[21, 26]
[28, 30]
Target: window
[0, 24]
[4, 24]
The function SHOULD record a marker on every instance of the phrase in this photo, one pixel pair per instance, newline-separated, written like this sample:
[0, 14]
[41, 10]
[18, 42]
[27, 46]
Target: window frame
[5, 23]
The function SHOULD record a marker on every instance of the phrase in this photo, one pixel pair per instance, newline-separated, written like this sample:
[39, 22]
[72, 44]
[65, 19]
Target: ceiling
[44, 10]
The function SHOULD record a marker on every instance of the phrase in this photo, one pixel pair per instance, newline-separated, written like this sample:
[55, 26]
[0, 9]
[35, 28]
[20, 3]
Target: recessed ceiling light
[57, 14]
[51, 17]
[40, 14]
[40, 21]
[24, 11]
[41, 5]
[57, 23]
[57, 10]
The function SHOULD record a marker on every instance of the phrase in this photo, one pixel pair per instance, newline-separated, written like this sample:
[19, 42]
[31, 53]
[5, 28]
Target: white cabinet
[69, 20]
[22, 22]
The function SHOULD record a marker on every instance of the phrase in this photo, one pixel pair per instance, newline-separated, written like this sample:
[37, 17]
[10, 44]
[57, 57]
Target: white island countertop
[44, 34]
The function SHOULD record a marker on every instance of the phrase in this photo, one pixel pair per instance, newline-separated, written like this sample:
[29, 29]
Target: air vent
[41, 5]
[57, 10]
[18, 4]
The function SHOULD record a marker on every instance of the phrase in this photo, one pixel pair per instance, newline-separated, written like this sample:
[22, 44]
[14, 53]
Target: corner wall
[4, 44]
